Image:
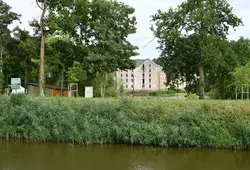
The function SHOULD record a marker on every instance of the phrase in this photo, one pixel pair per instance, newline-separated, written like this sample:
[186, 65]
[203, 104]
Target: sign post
[89, 92]
[15, 83]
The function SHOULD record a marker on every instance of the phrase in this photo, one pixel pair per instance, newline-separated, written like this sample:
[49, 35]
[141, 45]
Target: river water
[16, 155]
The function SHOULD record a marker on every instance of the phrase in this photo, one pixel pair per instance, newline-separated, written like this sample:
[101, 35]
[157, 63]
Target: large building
[147, 76]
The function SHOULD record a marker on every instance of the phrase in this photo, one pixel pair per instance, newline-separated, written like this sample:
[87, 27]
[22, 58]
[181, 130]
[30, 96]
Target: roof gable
[141, 61]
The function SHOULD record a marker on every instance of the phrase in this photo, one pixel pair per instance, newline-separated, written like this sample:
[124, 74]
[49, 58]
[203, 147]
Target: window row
[132, 75]
[143, 86]
[127, 75]
[143, 80]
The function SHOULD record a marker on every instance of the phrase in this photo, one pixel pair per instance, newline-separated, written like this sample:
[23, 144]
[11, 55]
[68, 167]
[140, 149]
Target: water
[16, 155]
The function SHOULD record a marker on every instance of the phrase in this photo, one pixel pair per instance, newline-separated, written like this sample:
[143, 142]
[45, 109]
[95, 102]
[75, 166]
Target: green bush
[153, 93]
[162, 93]
[213, 124]
[180, 91]
[166, 93]
[213, 94]
[192, 96]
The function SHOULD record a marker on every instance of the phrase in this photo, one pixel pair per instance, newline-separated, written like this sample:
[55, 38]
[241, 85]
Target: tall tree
[43, 5]
[7, 17]
[99, 30]
[204, 21]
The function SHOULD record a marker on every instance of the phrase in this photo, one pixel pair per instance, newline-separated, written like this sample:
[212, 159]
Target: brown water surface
[17, 155]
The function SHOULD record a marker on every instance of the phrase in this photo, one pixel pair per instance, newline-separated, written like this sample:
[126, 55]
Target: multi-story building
[146, 76]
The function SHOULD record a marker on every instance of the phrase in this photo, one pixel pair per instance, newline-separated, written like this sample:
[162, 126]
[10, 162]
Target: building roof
[49, 86]
[141, 61]
[138, 62]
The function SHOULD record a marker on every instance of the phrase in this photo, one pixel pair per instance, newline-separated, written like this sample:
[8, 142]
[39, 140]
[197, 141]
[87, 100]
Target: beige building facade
[147, 76]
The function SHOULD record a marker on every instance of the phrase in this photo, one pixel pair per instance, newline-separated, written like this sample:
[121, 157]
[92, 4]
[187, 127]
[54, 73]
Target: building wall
[34, 91]
[147, 76]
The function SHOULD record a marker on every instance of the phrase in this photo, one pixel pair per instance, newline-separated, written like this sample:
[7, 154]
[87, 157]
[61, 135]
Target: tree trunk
[1, 60]
[201, 82]
[42, 52]
[62, 83]
[42, 68]
[103, 82]
[102, 93]
[26, 75]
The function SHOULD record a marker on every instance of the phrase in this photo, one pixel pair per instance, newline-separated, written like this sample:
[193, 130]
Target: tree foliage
[76, 73]
[241, 75]
[195, 25]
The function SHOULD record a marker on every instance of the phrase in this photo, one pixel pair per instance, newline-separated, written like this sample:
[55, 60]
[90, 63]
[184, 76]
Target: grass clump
[210, 124]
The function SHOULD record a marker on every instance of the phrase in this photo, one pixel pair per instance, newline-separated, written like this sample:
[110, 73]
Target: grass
[149, 121]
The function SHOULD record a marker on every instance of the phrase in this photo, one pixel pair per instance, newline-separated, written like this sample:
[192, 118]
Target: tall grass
[127, 121]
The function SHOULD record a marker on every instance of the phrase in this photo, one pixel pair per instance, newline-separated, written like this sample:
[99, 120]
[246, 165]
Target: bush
[127, 121]
[192, 96]
[166, 93]
[213, 94]
[162, 93]
[153, 93]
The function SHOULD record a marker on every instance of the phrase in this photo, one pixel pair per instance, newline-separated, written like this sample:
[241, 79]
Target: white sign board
[89, 92]
[15, 83]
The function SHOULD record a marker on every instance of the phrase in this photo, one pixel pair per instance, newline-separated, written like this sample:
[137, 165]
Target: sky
[144, 9]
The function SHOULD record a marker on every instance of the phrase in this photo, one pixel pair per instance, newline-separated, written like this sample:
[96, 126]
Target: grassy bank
[213, 124]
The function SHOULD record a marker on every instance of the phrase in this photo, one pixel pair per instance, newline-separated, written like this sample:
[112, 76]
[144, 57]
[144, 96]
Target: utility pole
[42, 4]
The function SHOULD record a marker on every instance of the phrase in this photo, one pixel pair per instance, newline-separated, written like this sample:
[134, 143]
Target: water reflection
[16, 155]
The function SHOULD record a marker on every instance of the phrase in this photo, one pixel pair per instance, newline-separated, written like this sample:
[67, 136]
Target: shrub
[127, 121]
[192, 96]
[153, 93]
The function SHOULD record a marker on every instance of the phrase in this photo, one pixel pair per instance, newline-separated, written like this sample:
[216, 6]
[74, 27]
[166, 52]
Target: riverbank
[158, 122]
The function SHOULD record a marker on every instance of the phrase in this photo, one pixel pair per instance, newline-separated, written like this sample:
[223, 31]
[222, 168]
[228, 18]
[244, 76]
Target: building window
[126, 75]
[143, 86]
[143, 81]
[121, 75]
[132, 86]
[149, 70]
[126, 70]
[149, 65]
[149, 75]
[126, 86]
[126, 80]
[150, 80]
[132, 75]
[150, 86]
[143, 75]
[132, 80]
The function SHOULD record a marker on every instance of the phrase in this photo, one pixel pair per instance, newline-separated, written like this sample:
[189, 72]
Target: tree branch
[39, 5]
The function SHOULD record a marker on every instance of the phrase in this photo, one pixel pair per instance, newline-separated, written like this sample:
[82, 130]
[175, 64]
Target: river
[17, 155]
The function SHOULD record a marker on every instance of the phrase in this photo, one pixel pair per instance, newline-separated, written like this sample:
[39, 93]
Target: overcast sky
[144, 9]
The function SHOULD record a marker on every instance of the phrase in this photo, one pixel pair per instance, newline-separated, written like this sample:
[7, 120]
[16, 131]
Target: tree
[199, 21]
[99, 30]
[76, 74]
[42, 53]
[241, 75]
[7, 17]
